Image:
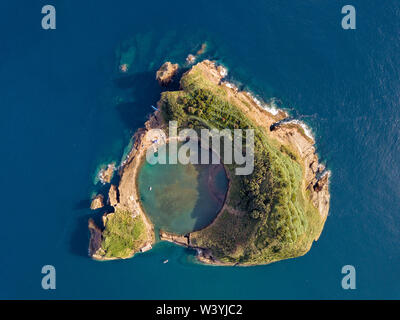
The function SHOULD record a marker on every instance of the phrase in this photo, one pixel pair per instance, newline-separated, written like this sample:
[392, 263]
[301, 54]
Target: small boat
[150, 188]
[154, 107]
[165, 261]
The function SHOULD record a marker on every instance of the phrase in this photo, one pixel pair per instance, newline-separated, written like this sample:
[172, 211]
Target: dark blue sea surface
[65, 111]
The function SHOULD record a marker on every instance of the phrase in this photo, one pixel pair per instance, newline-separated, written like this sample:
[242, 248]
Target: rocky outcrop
[106, 174]
[165, 74]
[113, 196]
[95, 239]
[97, 202]
[190, 59]
[123, 68]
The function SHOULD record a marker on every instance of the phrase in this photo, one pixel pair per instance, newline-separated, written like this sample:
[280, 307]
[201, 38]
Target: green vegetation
[268, 217]
[123, 234]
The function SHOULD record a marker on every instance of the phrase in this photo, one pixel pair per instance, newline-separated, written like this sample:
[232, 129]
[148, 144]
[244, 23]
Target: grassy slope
[269, 217]
[123, 235]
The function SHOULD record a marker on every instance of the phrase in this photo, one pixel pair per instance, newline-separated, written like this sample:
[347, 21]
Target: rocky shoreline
[126, 195]
[288, 133]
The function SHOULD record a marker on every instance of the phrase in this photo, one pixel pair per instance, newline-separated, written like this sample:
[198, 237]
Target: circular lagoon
[182, 198]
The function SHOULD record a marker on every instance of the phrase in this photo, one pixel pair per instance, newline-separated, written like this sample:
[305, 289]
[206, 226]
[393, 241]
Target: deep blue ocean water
[65, 112]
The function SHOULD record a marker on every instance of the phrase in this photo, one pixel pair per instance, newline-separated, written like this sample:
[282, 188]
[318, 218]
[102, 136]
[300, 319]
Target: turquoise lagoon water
[66, 110]
[181, 198]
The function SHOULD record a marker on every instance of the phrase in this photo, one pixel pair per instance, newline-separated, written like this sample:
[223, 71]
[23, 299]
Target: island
[274, 213]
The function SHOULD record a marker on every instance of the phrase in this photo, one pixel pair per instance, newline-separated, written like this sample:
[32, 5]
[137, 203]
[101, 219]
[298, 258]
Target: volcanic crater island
[274, 213]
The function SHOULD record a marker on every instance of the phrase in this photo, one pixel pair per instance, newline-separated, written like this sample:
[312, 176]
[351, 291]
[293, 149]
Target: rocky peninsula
[273, 214]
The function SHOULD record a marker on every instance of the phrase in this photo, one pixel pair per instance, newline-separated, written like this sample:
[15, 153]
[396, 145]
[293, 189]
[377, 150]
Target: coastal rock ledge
[274, 213]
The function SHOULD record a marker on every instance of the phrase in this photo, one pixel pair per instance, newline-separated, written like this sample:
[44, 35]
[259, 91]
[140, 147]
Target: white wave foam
[306, 129]
[271, 108]
[326, 172]
[230, 85]
[222, 71]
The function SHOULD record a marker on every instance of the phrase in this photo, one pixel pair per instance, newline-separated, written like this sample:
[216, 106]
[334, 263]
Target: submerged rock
[165, 74]
[202, 49]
